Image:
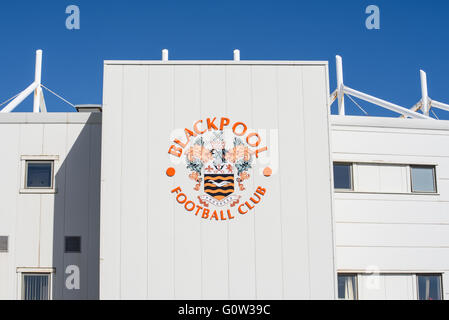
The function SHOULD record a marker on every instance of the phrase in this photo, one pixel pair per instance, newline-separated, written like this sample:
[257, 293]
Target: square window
[39, 175]
[73, 244]
[343, 176]
[36, 286]
[429, 287]
[347, 287]
[423, 179]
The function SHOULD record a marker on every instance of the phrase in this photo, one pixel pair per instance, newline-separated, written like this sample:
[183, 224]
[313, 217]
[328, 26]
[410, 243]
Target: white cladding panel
[384, 226]
[37, 223]
[151, 248]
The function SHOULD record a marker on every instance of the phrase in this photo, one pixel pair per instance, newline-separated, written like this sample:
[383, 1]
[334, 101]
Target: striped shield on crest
[219, 186]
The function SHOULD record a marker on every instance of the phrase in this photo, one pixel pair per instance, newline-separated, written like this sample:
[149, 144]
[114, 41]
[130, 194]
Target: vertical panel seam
[306, 183]
[227, 222]
[147, 178]
[280, 185]
[89, 127]
[120, 181]
[254, 216]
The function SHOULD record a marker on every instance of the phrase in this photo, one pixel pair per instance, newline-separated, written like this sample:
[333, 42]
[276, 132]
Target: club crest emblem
[219, 163]
[219, 169]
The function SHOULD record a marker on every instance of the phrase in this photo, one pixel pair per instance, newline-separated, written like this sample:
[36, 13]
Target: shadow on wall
[77, 213]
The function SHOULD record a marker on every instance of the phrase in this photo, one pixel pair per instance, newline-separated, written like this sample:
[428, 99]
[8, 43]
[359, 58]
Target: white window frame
[38, 158]
[41, 271]
[355, 185]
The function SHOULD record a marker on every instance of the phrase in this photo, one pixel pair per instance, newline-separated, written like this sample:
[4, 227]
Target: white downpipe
[22, 96]
[38, 81]
[385, 104]
[236, 55]
[164, 55]
[440, 105]
[424, 93]
[340, 86]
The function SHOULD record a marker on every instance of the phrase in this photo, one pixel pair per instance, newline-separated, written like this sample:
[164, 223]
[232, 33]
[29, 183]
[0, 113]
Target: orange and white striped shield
[219, 186]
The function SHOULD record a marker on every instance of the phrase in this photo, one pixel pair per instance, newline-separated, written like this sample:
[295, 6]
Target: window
[347, 287]
[343, 176]
[423, 179]
[39, 175]
[3, 244]
[429, 287]
[36, 286]
[72, 244]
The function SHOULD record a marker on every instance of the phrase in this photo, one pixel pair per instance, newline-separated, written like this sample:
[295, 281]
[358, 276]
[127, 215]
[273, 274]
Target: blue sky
[384, 63]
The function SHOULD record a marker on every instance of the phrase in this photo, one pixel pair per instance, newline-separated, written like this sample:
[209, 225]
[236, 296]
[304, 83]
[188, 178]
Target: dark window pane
[423, 179]
[39, 175]
[347, 287]
[36, 287]
[429, 287]
[72, 244]
[343, 176]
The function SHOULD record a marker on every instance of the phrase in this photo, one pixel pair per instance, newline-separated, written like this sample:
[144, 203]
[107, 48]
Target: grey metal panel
[295, 230]
[268, 215]
[110, 242]
[133, 182]
[318, 175]
[187, 229]
[161, 232]
[242, 244]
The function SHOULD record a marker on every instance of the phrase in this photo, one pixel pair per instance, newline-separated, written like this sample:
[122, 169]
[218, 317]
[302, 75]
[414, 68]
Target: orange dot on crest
[171, 172]
[267, 172]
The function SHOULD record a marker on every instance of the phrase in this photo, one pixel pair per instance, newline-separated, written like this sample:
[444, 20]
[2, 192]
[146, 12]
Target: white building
[217, 182]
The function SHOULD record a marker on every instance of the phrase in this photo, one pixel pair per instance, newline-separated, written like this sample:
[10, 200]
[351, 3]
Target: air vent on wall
[72, 244]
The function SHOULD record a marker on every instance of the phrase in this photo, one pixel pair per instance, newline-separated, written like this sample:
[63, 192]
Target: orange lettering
[189, 203]
[261, 191]
[254, 201]
[214, 215]
[260, 150]
[221, 215]
[183, 200]
[198, 211]
[189, 134]
[205, 213]
[249, 206]
[183, 145]
[224, 122]
[210, 124]
[177, 190]
[253, 135]
[195, 127]
[245, 128]
[177, 152]
[241, 210]
[229, 215]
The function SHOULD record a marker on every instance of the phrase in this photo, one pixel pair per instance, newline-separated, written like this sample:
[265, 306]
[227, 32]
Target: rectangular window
[36, 286]
[429, 287]
[347, 287]
[343, 176]
[72, 244]
[3, 243]
[39, 175]
[423, 179]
